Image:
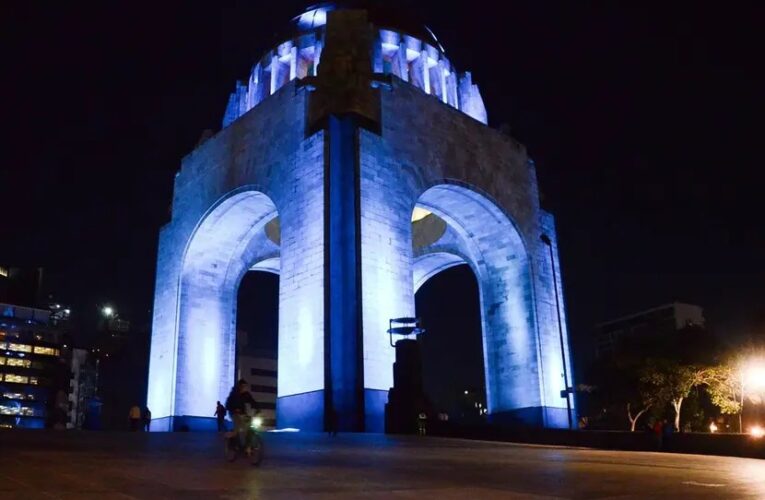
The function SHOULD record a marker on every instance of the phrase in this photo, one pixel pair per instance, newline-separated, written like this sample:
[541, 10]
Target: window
[19, 347]
[32, 380]
[3, 345]
[17, 395]
[2, 360]
[19, 362]
[16, 410]
[263, 388]
[49, 351]
[4, 272]
[16, 379]
[263, 373]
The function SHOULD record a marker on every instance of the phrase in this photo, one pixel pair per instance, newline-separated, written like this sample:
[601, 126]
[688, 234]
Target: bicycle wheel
[256, 451]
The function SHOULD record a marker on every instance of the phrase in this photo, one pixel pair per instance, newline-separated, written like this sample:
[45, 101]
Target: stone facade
[342, 158]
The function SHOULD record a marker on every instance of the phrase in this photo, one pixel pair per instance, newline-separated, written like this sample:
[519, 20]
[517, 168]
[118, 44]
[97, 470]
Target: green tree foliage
[653, 371]
[724, 389]
[673, 380]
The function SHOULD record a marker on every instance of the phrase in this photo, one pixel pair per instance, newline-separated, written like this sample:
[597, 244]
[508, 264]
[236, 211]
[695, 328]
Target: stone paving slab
[75, 465]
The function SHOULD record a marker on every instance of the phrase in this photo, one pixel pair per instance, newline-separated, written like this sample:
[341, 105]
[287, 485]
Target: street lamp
[107, 311]
[754, 375]
[753, 380]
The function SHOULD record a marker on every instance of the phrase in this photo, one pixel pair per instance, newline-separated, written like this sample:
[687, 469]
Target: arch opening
[453, 375]
[257, 332]
[478, 233]
[229, 241]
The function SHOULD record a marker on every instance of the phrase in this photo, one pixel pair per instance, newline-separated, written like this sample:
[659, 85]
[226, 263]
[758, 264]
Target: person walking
[134, 417]
[422, 420]
[220, 415]
[146, 419]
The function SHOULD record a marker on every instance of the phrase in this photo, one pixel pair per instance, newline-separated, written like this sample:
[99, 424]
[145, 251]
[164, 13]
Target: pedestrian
[220, 415]
[146, 419]
[422, 420]
[667, 430]
[658, 431]
[134, 417]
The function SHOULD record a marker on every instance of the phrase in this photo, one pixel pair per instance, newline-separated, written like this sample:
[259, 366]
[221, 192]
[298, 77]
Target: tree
[725, 388]
[616, 389]
[672, 381]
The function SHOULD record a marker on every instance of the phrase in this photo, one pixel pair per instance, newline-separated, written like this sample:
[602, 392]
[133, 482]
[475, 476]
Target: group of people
[140, 420]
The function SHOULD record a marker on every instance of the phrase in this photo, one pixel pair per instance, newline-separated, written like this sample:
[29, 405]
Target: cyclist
[241, 406]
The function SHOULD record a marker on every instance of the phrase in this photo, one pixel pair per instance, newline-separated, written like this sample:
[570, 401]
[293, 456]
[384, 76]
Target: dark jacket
[238, 401]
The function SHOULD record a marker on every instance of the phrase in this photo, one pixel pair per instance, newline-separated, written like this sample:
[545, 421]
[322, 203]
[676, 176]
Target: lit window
[19, 347]
[2, 361]
[49, 351]
[19, 362]
[3, 345]
[32, 380]
[4, 272]
[16, 379]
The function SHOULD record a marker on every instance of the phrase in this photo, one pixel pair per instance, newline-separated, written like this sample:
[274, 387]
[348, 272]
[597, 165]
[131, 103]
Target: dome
[402, 46]
[381, 15]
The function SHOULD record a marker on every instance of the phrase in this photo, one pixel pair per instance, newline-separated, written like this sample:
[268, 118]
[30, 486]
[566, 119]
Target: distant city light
[67, 311]
[757, 431]
[713, 427]
[466, 392]
[108, 311]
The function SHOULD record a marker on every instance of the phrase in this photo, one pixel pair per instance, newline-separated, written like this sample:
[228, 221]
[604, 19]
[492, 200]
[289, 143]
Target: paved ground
[122, 466]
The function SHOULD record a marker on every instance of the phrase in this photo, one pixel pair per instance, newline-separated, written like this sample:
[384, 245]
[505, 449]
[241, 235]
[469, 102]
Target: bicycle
[253, 443]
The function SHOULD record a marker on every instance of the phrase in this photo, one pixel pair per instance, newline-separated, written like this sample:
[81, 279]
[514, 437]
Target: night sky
[644, 121]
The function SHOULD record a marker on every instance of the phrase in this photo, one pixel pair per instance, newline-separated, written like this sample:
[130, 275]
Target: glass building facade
[34, 373]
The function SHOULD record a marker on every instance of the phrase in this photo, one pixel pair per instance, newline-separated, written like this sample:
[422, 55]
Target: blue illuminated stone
[315, 176]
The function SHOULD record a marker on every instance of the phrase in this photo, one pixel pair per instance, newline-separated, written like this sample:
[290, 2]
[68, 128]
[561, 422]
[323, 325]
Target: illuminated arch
[482, 235]
[229, 239]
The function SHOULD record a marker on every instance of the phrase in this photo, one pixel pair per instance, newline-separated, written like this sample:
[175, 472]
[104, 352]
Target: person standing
[220, 415]
[134, 417]
[146, 419]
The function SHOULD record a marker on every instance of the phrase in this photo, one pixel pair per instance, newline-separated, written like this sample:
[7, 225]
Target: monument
[355, 162]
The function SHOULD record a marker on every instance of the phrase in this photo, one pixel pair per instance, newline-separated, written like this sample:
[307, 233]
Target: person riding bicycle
[241, 406]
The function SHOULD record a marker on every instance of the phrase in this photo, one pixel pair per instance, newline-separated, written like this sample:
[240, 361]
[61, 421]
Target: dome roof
[381, 15]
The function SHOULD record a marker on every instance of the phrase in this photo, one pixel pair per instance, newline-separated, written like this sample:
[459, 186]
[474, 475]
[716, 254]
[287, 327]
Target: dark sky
[644, 120]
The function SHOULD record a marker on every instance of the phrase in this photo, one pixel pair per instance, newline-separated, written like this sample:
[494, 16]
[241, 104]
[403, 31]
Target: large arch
[482, 235]
[227, 242]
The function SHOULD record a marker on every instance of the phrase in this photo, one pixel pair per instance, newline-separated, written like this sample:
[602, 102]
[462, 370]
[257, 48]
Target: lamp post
[567, 391]
[108, 313]
[752, 376]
